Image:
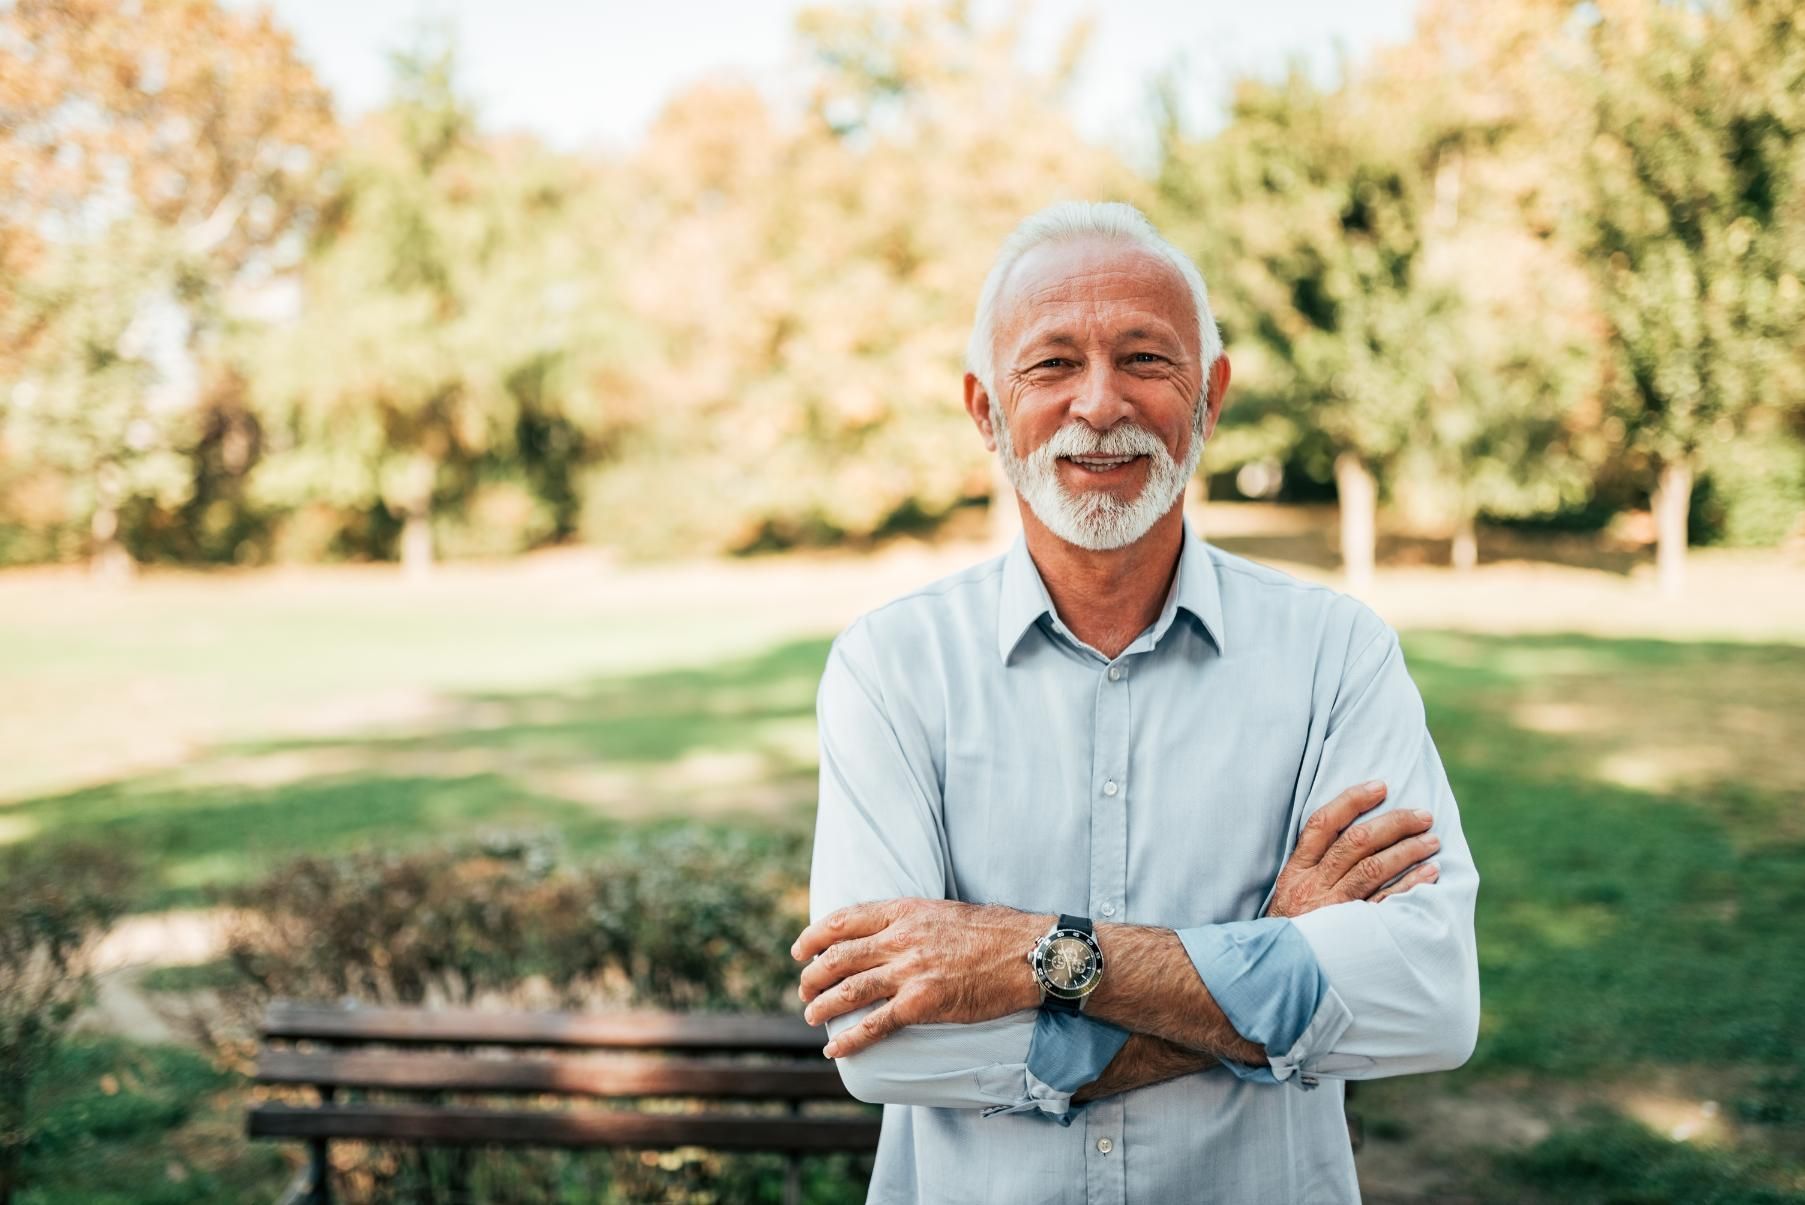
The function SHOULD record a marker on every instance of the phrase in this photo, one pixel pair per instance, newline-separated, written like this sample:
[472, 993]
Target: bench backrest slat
[573, 1075]
[582, 1128]
[574, 1031]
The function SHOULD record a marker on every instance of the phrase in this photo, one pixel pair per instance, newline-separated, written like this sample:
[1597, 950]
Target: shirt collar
[1024, 597]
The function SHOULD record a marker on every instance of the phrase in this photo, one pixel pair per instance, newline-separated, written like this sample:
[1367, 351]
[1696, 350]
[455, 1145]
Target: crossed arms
[929, 1001]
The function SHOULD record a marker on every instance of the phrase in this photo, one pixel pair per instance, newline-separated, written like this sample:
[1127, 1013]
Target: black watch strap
[1059, 1004]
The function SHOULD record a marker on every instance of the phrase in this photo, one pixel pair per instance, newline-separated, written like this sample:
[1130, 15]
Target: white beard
[1095, 519]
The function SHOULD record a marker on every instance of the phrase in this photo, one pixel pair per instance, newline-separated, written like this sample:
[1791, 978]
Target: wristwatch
[1068, 964]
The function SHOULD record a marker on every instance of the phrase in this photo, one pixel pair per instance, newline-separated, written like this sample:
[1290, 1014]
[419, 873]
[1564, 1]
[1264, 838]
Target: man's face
[1098, 410]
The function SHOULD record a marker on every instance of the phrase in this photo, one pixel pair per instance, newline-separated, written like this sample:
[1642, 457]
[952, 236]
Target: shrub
[53, 910]
[677, 919]
[680, 918]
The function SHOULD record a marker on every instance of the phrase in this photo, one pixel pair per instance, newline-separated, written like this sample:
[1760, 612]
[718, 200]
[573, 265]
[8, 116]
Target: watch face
[1069, 963]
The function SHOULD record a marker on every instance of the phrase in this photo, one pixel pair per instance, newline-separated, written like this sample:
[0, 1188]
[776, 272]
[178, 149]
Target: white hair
[1069, 221]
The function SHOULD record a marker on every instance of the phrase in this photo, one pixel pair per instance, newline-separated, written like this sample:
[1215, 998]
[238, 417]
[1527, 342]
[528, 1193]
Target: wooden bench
[346, 1054]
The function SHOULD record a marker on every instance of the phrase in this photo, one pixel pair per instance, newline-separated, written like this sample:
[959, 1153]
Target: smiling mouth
[1102, 465]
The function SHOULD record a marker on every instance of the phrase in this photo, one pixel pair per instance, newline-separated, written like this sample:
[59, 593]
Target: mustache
[1124, 439]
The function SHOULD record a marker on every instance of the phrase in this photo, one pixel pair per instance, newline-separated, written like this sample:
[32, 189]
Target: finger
[1371, 873]
[878, 1024]
[1326, 823]
[854, 920]
[855, 991]
[1363, 840]
[836, 963]
[1426, 873]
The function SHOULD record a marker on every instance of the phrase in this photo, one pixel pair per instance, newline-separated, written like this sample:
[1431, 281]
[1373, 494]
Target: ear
[1217, 390]
[977, 404]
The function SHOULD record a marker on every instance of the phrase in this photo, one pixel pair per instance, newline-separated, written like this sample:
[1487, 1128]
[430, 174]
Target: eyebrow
[1143, 333]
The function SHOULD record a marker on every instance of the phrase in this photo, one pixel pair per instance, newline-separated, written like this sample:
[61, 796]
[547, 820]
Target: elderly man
[1091, 914]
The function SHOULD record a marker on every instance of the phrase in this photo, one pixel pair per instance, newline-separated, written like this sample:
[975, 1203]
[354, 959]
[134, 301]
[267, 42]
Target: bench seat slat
[292, 1021]
[573, 1129]
[575, 1075]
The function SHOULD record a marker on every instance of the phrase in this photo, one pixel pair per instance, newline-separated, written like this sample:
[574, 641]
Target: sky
[591, 74]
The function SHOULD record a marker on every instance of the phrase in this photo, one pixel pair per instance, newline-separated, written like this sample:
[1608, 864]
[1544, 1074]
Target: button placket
[1112, 739]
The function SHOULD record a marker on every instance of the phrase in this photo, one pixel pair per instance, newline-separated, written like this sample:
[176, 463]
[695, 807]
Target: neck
[1107, 598]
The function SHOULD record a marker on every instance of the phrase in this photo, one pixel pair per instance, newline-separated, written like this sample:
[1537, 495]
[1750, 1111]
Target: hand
[1336, 860]
[932, 960]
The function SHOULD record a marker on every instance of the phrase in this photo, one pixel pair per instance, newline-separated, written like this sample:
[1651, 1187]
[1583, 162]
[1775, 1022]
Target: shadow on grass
[732, 744]
[1319, 547]
[1617, 923]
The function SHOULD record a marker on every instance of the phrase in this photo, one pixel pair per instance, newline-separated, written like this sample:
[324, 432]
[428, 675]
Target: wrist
[1033, 926]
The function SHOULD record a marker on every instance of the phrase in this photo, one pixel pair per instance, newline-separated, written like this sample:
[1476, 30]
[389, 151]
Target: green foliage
[1692, 217]
[155, 162]
[126, 1124]
[1527, 256]
[52, 910]
[1382, 295]
[447, 332]
[1311, 228]
[1751, 493]
[676, 919]
[808, 283]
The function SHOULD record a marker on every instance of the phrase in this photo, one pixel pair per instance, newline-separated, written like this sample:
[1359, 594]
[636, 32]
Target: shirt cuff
[1265, 978]
[1067, 1051]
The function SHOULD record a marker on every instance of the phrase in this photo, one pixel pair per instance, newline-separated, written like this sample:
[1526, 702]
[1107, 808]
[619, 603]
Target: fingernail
[1433, 842]
[1373, 786]
[1425, 817]
[1434, 870]
[796, 950]
[830, 1050]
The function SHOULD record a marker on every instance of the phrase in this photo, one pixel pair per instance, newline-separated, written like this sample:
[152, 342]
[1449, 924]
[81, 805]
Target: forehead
[1057, 287]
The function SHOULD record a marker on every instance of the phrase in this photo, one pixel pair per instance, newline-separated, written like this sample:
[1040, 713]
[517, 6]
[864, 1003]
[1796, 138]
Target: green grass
[1616, 1162]
[1634, 807]
[194, 836]
[1617, 925]
[122, 1123]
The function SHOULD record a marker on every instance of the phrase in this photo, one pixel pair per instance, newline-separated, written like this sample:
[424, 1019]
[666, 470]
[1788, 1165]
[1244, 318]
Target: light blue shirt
[972, 748]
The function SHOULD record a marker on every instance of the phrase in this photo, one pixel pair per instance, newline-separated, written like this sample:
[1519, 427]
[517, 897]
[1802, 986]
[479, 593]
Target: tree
[153, 162]
[1693, 206]
[809, 281]
[1309, 216]
[1509, 419]
[449, 302]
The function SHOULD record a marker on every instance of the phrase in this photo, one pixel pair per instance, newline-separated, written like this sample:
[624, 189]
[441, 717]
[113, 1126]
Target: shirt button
[1109, 910]
[1110, 787]
[1105, 1145]
[1115, 673]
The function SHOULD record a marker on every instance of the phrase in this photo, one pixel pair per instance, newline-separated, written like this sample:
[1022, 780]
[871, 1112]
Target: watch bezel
[1037, 958]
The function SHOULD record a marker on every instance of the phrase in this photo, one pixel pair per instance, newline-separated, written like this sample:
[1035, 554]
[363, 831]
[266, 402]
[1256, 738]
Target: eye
[1147, 357]
[1052, 363]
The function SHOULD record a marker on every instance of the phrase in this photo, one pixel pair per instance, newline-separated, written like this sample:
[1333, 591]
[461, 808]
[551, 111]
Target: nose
[1099, 401]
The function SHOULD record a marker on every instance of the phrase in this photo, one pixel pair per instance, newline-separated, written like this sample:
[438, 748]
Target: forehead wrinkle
[1098, 279]
[1056, 328]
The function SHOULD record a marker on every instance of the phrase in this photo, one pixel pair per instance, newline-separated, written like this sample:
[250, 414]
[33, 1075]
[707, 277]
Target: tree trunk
[1358, 495]
[1672, 504]
[1465, 553]
[416, 541]
[109, 560]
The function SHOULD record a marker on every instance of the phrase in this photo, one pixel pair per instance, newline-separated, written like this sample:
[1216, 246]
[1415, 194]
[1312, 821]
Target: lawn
[1634, 806]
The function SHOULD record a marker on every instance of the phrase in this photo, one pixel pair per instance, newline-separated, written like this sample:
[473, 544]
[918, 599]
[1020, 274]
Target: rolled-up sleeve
[1402, 975]
[879, 835]
[1268, 983]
